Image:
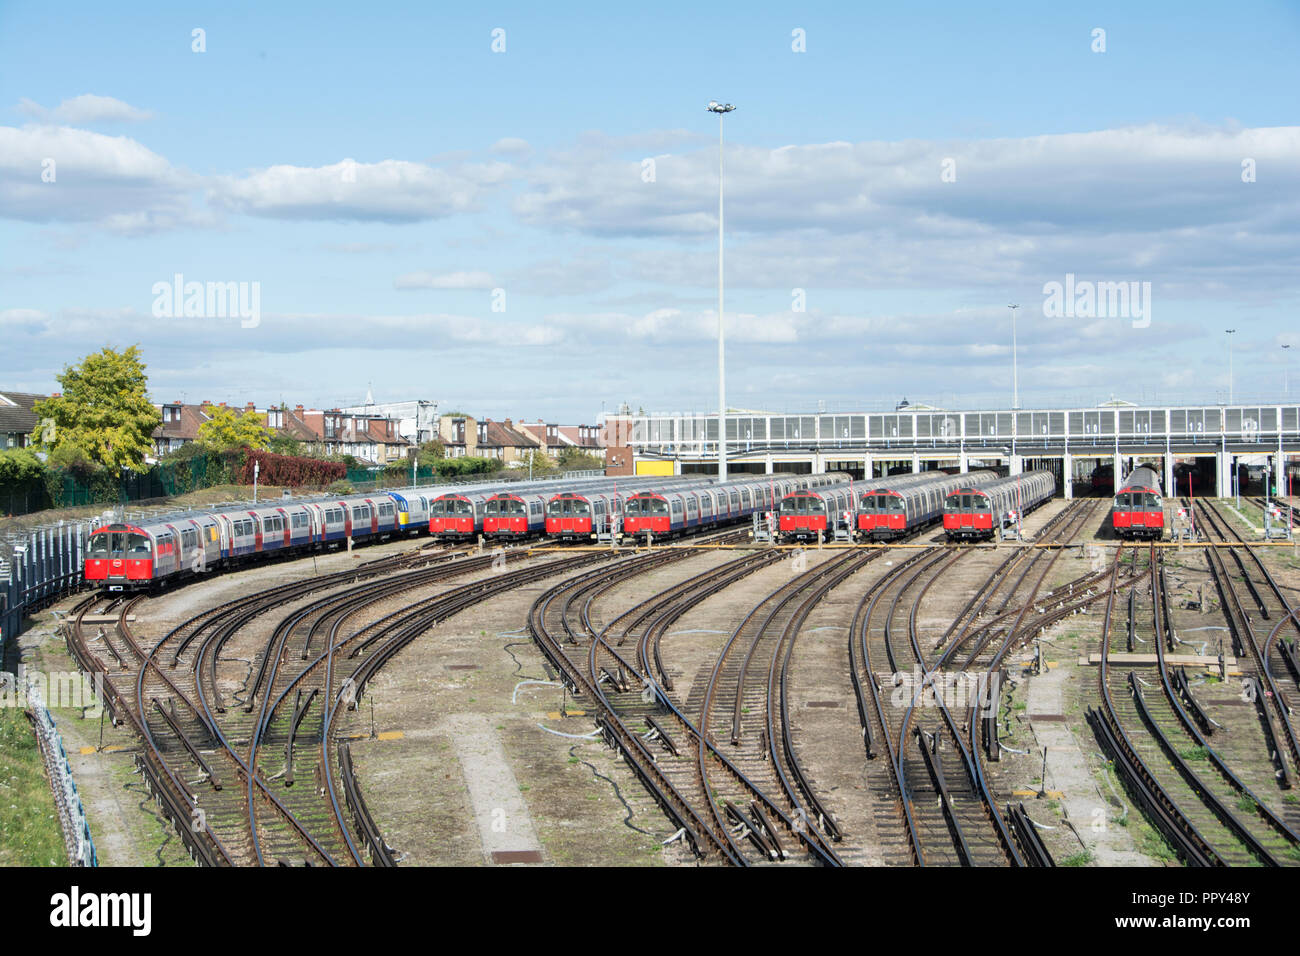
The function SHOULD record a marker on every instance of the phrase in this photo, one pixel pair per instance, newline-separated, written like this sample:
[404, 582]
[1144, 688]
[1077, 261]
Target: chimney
[298, 410]
[509, 424]
[249, 407]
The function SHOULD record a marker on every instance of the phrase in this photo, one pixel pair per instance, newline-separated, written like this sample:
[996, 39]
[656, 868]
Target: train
[664, 515]
[978, 510]
[162, 549]
[1139, 511]
[897, 507]
[814, 513]
[509, 516]
[1103, 479]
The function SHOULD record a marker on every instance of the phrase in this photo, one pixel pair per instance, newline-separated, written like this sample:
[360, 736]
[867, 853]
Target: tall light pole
[1015, 371]
[722, 110]
[1286, 368]
[1230, 332]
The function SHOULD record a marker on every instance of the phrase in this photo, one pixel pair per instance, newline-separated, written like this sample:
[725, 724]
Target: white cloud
[86, 108]
[391, 190]
[450, 280]
[57, 173]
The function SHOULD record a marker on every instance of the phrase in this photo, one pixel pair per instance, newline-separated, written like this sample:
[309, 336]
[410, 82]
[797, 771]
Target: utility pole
[722, 110]
[1015, 372]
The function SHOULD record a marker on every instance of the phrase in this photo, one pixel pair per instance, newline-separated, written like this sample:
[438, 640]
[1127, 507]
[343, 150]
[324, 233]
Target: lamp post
[722, 109]
[1230, 332]
[1015, 372]
[1286, 368]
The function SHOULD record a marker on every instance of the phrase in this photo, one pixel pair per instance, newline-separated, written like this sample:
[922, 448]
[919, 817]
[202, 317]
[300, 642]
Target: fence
[37, 567]
[72, 815]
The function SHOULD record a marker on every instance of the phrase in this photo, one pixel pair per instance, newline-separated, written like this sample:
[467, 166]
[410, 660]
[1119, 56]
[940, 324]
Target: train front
[802, 516]
[119, 558]
[646, 513]
[881, 515]
[568, 516]
[451, 516]
[967, 513]
[505, 516]
[1138, 512]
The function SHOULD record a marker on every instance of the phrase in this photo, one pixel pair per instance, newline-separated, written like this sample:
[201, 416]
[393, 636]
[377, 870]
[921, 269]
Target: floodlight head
[713, 105]
[716, 107]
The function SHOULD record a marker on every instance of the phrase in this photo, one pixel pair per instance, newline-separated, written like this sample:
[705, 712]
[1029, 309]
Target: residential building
[17, 420]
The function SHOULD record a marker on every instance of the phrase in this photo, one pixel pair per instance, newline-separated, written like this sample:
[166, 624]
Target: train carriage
[670, 513]
[900, 506]
[137, 555]
[815, 513]
[979, 510]
[1138, 510]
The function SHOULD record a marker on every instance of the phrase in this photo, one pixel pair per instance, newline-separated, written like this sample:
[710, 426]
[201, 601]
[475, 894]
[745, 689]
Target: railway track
[1164, 741]
[225, 770]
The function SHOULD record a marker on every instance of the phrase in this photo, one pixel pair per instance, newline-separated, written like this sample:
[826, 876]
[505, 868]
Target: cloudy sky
[532, 229]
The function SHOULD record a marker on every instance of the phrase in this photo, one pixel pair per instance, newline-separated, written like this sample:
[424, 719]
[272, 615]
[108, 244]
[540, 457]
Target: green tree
[431, 452]
[19, 466]
[283, 444]
[572, 457]
[104, 410]
[228, 429]
[540, 462]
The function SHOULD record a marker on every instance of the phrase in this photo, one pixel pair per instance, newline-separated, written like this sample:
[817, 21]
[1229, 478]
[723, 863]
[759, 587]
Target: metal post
[721, 110]
[1015, 372]
[1230, 332]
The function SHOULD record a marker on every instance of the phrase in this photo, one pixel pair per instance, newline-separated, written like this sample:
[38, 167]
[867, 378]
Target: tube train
[980, 509]
[901, 506]
[812, 513]
[1139, 511]
[666, 514]
[496, 513]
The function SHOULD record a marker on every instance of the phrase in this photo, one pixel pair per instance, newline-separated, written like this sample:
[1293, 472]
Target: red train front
[881, 515]
[647, 513]
[968, 513]
[507, 516]
[803, 516]
[1139, 511]
[452, 516]
[568, 515]
[120, 557]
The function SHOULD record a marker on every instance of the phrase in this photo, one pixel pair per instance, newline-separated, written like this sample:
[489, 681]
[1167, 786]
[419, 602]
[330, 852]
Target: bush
[341, 488]
[450, 467]
[289, 471]
[18, 466]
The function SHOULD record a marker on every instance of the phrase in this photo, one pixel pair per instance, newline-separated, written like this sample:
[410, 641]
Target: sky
[512, 209]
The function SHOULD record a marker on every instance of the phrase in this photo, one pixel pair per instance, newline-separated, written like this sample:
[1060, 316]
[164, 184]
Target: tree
[431, 452]
[539, 462]
[104, 410]
[283, 444]
[227, 429]
[572, 457]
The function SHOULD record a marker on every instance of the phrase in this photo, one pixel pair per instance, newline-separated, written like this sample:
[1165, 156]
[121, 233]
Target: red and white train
[160, 550]
[897, 507]
[980, 509]
[668, 514]
[812, 513]
[1139, 511]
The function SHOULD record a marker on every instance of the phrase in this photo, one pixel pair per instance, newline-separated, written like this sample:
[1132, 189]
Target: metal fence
[72, 815]
[36, 568]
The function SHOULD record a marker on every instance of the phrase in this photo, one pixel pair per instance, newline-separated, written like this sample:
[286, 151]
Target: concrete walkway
[504, 825]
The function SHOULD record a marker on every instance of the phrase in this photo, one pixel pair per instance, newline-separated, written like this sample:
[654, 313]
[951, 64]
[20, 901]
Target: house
[417, 420]
[505, 443]
[17, 420]
[556, 438]
[459, 435]
[371, 438]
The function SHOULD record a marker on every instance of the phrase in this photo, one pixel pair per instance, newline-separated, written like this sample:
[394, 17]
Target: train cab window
[816, 506]
[438, 507]
[493, 506]
[633, 507]
[555, 506]
[1150, 500]
[137, 546]
[99, 545]
[581, 507]
[511, 506]
[1122, 500]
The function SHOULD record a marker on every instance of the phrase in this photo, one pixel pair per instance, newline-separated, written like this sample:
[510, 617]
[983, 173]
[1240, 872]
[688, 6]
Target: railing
[72, 815]
[36, 568]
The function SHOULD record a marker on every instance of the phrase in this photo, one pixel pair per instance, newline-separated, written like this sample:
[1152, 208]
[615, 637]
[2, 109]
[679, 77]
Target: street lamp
[1015, 372]
[1230, 333]
[1286, 367]
[722, 110]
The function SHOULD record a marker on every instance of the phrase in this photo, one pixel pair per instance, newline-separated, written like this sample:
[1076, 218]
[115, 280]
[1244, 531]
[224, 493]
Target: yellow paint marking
[112, 748]
[391, 735]
[1052, 794]
[556, 715]
[1051, 665]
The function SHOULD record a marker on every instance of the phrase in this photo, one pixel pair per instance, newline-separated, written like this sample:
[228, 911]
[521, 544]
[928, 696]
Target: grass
[1082, 858]
[28, 821]
[1155, 846]
[1198, 754]
[1246, 805]
[1290, 798]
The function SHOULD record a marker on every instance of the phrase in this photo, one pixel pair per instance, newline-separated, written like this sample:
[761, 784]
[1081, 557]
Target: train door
[374, 515]
[347, 519]
[288, 524]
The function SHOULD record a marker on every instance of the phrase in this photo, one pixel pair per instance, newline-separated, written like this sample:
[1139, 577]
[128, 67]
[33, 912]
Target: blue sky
[524, 171]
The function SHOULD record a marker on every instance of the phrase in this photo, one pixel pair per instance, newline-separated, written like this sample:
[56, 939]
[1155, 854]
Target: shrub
[341, 487]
